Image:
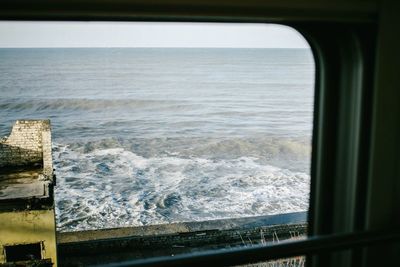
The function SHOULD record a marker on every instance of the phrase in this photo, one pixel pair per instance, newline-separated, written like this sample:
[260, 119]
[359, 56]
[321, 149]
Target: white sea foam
[115, 187]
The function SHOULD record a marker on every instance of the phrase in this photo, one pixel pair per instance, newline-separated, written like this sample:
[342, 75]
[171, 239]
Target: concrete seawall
[113, 245]
[27, 225]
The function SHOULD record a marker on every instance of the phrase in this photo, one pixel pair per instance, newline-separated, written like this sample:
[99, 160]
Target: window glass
[159, 123]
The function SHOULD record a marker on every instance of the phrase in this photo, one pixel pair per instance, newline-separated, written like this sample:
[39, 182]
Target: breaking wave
[102, 187]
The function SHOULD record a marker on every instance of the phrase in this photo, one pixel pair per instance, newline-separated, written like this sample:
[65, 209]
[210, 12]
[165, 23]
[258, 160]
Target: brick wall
[29, 143]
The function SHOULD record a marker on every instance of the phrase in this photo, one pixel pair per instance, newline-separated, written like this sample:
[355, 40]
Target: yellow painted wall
[29, 227]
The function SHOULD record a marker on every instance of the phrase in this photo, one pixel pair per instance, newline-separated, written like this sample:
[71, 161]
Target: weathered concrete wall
[29, 143]
[31, 226]
[293, 218]
[26, 190]
[115, 245]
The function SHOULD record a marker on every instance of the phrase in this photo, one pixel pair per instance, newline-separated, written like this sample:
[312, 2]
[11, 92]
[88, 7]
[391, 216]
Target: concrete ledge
[184, 227]
[112, 245]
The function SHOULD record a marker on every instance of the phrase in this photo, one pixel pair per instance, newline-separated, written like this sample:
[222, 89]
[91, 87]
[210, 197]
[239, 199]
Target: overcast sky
[147, 34]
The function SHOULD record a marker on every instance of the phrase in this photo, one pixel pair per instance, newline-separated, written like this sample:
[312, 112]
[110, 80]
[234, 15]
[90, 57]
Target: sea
[147, 136]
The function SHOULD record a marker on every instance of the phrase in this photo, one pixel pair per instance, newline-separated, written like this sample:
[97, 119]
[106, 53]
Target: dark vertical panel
[341, 133]
[383, 200]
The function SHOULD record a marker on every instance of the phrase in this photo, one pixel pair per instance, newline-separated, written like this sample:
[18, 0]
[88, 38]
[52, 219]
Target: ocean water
[148, 136]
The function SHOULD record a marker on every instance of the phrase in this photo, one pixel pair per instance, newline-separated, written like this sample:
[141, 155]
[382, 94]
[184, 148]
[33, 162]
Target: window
[23, 252]
[192, 128]
[349, 192]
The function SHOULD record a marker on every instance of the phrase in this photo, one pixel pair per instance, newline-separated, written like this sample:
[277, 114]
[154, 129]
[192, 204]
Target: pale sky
[147, 34]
